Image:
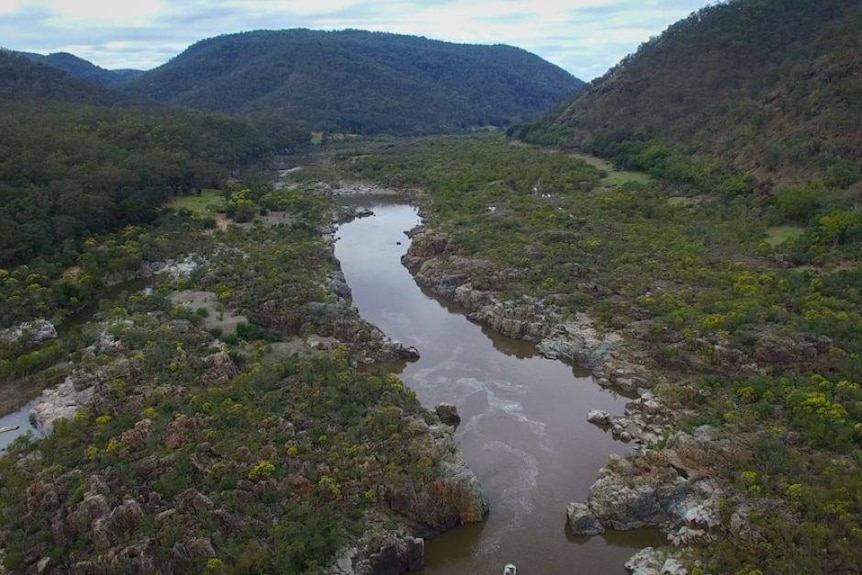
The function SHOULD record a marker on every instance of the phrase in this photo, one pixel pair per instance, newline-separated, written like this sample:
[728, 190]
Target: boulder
[448, 414]
[599, 417]
[200, 547]
[124, 519]
[193, 500]
[647, 561]
[583, 521]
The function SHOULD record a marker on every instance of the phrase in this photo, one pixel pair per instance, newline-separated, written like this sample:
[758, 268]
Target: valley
[356, 302]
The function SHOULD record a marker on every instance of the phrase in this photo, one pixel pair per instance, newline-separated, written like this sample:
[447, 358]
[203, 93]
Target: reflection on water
[523, 432]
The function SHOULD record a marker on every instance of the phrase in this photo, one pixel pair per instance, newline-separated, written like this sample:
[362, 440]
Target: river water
[523, 432]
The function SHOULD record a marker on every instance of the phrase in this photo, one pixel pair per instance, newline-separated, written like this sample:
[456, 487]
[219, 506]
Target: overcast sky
[586, 37]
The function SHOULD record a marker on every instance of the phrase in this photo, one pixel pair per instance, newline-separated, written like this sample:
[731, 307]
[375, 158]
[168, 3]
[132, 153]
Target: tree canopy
[360, 82]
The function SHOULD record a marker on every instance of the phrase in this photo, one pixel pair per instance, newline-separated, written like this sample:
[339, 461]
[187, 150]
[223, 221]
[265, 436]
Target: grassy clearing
[206, 304]
[777, 235]
[615, 178]
[619, 178]
[207, 202]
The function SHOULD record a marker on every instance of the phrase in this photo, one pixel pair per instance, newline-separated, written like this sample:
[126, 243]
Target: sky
[585, 37]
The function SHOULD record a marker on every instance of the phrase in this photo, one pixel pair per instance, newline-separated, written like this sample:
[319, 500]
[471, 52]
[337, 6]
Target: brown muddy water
[523, 432]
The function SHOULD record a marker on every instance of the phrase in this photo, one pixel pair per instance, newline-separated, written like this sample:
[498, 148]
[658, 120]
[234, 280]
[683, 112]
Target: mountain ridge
[358, 81]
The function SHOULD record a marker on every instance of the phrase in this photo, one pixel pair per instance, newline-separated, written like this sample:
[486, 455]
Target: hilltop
[360, 82]
[769, 88]
[80, 68]
[23, 79]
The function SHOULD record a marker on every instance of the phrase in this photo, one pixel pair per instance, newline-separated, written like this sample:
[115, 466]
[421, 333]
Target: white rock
[599, 417]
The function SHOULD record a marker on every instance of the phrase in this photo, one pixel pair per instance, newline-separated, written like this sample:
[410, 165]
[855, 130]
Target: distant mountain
[356, 81]
[22, 79]
[769, 87]
[81, 68]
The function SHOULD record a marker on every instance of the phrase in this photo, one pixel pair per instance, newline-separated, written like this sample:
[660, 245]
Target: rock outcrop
[651, 561]
[394, 553]
[338, 321]
[646, 420]
[452, 497]
[663, 488]
[61, 402]
[36, 332]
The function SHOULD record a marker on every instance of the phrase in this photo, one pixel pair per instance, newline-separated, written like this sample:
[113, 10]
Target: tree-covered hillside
[24, 80]
[77, 159]
[81, 68]
[356, 81]
[769, 87]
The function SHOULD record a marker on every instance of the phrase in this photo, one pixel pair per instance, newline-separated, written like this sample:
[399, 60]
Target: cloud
[585, 37]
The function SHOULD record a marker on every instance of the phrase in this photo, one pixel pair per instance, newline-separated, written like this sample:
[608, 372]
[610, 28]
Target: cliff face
[452, 498]
[423, 509]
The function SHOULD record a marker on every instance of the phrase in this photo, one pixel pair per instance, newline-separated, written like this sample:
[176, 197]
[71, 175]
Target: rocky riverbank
[575, 338]
[452, 498]
[666, 481]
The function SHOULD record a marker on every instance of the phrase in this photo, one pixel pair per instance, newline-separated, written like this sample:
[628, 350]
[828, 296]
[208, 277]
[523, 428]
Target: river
[523, 432]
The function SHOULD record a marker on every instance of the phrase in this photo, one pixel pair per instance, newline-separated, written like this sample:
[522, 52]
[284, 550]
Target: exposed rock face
[61, 402]
[35, 332]
[623, 501]
[395, 553]
[651, 561]
[646, 420]
[454, 497]
[178, 269]
[663, 488]
[579, 341]
[336, 284]
[451, 497]
[582, 520]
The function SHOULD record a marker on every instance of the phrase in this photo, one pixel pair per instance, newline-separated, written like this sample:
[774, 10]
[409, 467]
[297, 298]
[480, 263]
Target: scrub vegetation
[755, 336]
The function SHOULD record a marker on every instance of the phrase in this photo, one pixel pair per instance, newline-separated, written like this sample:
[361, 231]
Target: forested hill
[21, 79]
[78, 159]
[771, 87]
[363, 82]
[81, 68]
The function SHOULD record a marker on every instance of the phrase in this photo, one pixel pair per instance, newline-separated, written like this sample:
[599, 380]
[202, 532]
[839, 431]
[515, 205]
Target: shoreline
[662, 483]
